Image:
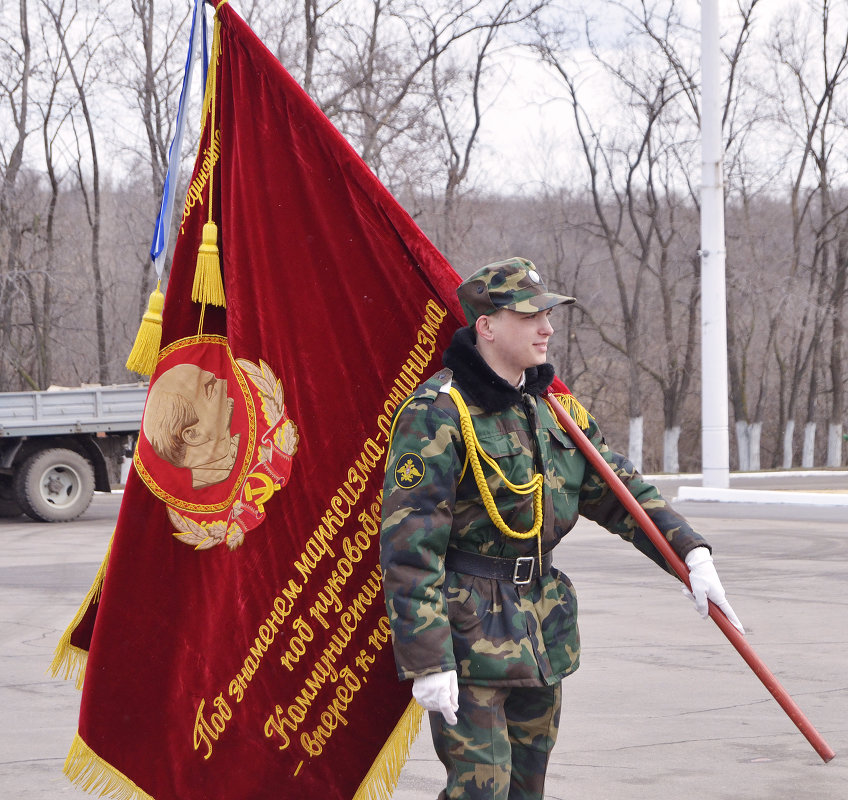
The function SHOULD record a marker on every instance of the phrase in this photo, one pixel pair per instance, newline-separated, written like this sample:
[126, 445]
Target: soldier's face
[521, 340]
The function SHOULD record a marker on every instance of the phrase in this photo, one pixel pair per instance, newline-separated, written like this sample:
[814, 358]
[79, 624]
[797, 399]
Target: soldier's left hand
[707, 586]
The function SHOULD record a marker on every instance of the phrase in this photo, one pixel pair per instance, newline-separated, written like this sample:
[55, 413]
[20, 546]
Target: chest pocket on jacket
[560, 438]
[514, 458]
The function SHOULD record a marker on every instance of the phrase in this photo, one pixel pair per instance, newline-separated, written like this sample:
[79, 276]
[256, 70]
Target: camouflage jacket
[494, 632]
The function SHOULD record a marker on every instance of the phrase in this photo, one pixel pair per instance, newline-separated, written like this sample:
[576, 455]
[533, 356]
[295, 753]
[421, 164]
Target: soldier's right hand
[706, 586]
[438, 691]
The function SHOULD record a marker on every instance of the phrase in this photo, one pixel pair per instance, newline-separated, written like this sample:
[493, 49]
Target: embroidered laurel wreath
[206, 534]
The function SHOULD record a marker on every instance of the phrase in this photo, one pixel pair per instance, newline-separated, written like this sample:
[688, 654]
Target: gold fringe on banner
[575, 409]
[92, 774]
[70, 660]
[383, 776]
[145, 351]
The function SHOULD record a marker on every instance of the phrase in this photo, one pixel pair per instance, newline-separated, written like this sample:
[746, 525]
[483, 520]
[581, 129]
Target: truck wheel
[54, 485]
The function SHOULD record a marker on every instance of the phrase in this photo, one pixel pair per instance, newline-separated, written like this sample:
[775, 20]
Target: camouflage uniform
[496, 634]
[500, 745]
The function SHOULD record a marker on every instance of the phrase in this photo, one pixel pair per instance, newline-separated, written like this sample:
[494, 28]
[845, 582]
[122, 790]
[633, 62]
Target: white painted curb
[705, 494]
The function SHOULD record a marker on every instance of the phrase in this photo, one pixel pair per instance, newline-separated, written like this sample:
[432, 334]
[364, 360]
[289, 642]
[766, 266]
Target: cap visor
[540, 302]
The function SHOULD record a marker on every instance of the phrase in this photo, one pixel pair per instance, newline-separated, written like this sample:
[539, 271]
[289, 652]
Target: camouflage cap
[514, 284]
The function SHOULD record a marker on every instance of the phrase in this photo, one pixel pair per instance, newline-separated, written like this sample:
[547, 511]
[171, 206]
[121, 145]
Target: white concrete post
[715, 439]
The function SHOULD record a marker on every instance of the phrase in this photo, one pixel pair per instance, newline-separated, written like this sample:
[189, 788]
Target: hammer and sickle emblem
[260, 493]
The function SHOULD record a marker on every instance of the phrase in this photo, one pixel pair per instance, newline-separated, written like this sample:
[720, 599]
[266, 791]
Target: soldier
[481, 484]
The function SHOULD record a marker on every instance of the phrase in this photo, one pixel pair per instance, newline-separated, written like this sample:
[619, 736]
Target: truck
[59, 446]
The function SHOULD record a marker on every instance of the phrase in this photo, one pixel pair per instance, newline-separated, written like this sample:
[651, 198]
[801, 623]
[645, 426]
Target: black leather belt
[519, 571]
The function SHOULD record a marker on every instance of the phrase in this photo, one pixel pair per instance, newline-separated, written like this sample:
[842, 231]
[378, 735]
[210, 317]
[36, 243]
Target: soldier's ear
[483, 326]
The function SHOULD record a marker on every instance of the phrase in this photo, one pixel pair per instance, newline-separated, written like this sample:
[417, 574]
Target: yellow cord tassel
[145, 351]
[208, 286]
[575, 409]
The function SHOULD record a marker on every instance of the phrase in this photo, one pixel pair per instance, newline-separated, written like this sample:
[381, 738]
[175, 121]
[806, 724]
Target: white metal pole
[715, 448]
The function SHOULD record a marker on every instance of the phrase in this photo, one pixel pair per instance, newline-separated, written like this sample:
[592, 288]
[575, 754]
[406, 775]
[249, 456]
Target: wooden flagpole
[659, 541]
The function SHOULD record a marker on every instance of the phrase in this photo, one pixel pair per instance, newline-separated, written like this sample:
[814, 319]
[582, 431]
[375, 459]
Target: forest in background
[606, 203]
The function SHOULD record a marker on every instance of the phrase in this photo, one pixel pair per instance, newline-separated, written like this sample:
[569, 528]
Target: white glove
[438, 691]
[706, 586]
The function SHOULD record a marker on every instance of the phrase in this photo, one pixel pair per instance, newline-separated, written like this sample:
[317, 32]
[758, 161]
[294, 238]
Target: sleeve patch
[409, 471]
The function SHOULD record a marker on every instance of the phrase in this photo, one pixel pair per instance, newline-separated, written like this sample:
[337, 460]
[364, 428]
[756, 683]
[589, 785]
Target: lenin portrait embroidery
[216, 442]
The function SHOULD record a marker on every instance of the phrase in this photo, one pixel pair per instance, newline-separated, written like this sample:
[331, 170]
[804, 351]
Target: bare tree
[837, 307]
[81, 64]
[376, 94]
[624, 164]
[148, 54]
[810, 70]
[16, 63]
[754, 303]
[740, 119]
[410, 84]
[404, 80]
[41, 280]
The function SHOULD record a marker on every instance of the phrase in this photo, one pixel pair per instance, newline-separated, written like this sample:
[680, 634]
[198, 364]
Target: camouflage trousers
[500, 746]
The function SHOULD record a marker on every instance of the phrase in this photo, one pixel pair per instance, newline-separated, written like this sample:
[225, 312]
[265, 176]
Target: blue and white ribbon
[162, 232]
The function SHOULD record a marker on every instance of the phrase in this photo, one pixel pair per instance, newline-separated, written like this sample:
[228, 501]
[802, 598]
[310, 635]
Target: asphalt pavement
[662, 706]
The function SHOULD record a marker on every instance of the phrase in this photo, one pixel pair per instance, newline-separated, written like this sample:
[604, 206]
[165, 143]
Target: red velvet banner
[241, 646]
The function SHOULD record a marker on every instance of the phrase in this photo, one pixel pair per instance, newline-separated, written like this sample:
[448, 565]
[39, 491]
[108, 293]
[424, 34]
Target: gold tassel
[89, 772]
[382, 778]
[145, 351]
[208, 287]
[573, 406]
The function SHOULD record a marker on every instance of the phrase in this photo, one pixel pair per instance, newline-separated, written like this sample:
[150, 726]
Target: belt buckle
[522, 564]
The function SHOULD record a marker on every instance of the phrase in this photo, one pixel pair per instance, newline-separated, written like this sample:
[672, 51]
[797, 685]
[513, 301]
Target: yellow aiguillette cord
[534, 485]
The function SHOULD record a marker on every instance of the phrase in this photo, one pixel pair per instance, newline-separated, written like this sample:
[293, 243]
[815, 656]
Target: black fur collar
[485, 388]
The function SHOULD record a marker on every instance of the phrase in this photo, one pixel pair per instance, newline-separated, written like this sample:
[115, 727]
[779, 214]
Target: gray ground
[661, 707]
